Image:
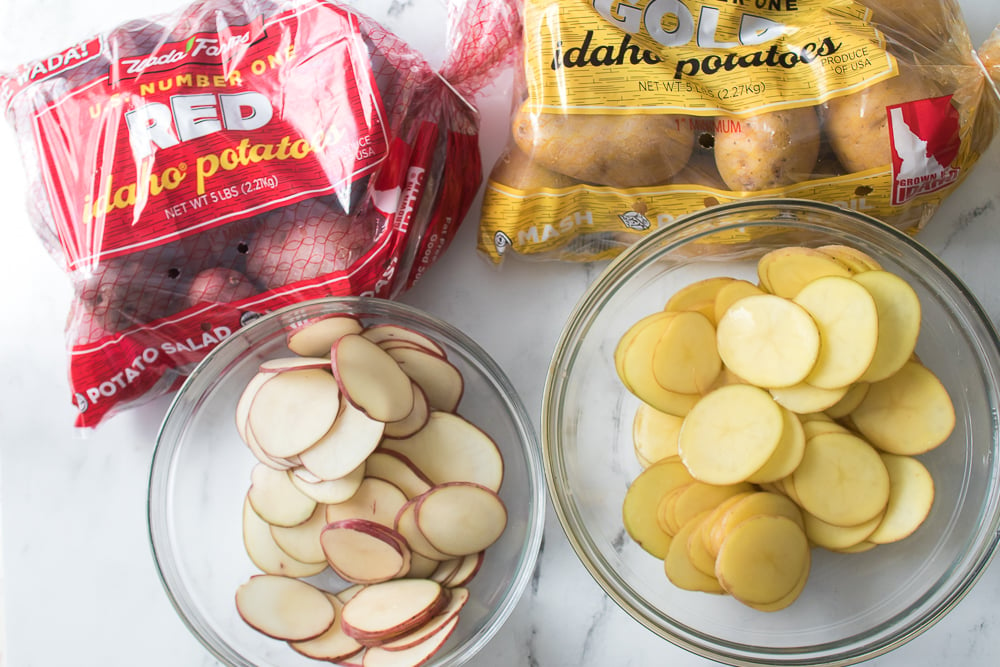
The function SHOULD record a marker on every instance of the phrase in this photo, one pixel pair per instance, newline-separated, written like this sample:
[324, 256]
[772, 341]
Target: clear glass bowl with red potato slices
[769, 434]
[330, 457]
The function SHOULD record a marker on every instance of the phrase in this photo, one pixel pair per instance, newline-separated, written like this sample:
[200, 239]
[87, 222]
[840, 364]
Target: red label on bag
[925, 142]
[210, 128]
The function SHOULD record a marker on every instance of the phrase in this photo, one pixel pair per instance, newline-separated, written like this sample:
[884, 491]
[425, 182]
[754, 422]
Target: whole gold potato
[857, 125]
[516, 169]
[620, 151]
[769, 150]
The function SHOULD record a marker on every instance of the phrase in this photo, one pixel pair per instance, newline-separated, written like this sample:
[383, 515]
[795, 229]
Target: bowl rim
[589, 304]
[530, 447]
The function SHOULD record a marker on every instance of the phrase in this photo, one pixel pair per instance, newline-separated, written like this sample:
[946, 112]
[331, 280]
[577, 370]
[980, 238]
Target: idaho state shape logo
[925, 142]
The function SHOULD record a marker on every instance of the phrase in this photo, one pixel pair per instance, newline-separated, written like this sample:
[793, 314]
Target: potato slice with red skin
[265, 553]
[412, 655]
[388, 333]
[345, 446]
[414, 421]
[292, 410]
[333, 645]
[292, 363]
[365, 552]
[375, 500]
[284, 607]
[847, 319]
[315, 338]
[768, 341]
[730, 434]
[371, 379]
[276, 499]
[381, 612]
[450, 448]
[328, 491]
[302, 541]
[907, 413]
[440, 380]
[395, 468]
[406, 525]
[460, 518]
[459, 596]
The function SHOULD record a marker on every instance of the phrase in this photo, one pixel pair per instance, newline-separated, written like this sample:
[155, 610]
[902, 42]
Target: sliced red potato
[330, 491]
[460, 518]
[284, 607]
[346, 594]
[365, 552]
[375, 500]
[334, 645]
[282, 364]
[414, 421]
[411, 656]
[458, 597]
[398, 470]
[315, 338]
[467, 570]
[371, 379]
[389, 333]
[451, 449]
[265, 553]
[292, 410]
[406, 525]
[243, 405]
[302, 541]
[276, 499]
[440, 380]
[384, 611]
[421, 567]
[352, 437]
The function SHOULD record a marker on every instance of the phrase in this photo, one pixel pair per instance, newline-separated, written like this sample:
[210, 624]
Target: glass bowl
[855, 606]
[201, 471]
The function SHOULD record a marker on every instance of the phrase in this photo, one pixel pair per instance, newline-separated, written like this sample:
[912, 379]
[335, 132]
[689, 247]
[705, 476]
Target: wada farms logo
[203, 48]
[925, 141]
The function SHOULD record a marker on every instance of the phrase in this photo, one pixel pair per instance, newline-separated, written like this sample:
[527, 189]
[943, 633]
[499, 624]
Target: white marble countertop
[77, 581]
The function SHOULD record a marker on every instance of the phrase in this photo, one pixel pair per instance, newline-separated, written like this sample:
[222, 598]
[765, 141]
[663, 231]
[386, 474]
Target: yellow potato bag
[628, 115]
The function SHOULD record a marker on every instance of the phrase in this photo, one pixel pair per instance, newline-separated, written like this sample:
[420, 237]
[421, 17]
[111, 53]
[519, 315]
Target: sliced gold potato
[697, 552]
[732, 292]
[654, 434]
[785, 271]
[649, 339]
[855, 394]
[838, 538]
[665, 511]
[715, 518]
[678, 566]
[898, 308]
[907, 413]
[685, 359]
[698, 497]
[803, 398]
[847, 320]
[787, 600]
[762, 559]
[856, 261]
[911, 495]
[698, 296]
[787, 454]
[634, 362]
[769, 341]
[841, 479]
[761, 503]
[639, 509]
[730, 433]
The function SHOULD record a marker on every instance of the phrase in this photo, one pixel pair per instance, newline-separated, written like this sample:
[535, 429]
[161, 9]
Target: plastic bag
[629, 115]
[192, 171]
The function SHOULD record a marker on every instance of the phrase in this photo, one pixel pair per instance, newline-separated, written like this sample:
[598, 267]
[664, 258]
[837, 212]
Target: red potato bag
[191, 171]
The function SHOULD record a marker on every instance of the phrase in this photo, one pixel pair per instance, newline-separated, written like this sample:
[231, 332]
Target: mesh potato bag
[194, 170]
[631, 114]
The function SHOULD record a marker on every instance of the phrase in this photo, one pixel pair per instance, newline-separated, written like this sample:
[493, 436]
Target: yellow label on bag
[698, 57]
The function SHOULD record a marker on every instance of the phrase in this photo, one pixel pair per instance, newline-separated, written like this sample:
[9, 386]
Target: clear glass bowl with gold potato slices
[768, 433]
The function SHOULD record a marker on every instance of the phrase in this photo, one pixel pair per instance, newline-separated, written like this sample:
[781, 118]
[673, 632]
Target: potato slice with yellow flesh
[803, 398]
[837, 538]
[841, 479]
[785, 271]
[639, 509]
[732, 292]
[699, 555]
[698, 296]
[649, 328]
[898, 308]
[768, 341]
[787, 455]
[715, 518]
[730, 433]
[856, 261]
[860, 547]
[911, 495]
[847, 319]
[685, 359]
[851, 399]
[762, 559]
[634, 363]
[698, 497]
[907, 413]
[654, 434]
[787, 600]
[677, 564]
[665, 513]
[761, 503]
